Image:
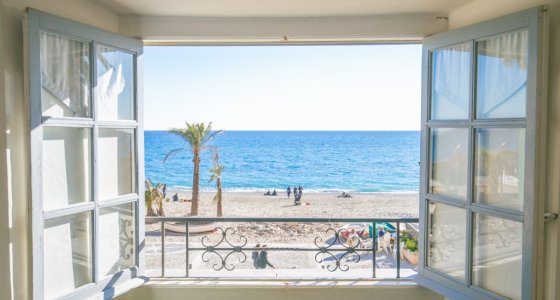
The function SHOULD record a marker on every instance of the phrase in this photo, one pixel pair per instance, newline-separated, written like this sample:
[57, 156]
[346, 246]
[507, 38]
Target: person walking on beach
[255, 255]
[289, 191]
[164, 190]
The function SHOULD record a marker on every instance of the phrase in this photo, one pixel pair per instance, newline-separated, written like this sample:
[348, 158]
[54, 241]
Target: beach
[275, 234]
[314, 204]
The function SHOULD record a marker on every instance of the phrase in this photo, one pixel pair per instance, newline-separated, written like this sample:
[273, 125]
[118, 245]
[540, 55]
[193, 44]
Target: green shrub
[411, 244]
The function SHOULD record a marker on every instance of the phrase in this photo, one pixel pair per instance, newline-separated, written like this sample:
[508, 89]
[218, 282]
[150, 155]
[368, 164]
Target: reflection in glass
[451, 69]
[65, 78]
[116, 162]
[116, 238]
[66, 166]
[502, 76]
[114, 92]
[500, 165]
[448, 158]
[497, 255]
[68, 254]
[447, 239]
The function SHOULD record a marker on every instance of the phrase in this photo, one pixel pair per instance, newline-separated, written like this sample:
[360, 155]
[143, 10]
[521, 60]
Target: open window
[481, 141]
[86, 142]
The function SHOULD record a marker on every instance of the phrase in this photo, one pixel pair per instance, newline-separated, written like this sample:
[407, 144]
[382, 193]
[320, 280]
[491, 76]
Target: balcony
[323, 258]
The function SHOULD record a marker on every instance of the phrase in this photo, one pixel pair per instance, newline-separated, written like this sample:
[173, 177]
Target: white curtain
[65, 76]
[502, 75]
[451, 82]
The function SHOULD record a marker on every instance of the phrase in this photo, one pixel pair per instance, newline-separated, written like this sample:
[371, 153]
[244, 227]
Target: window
[86, 166]
[480, 144]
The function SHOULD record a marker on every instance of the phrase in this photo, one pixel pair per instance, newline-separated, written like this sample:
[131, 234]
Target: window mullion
[95, 180]
[470, 166]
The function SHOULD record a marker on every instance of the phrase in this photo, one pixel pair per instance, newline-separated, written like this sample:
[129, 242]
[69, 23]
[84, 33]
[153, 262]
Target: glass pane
[500, 167]
[68, 254]
[502, 76]
[449, 148]
[66, 166]
[65, 77]
[497, 255]
[116, 162]
[451, 69]
[116, 238]
[114, 92]
[447, 239]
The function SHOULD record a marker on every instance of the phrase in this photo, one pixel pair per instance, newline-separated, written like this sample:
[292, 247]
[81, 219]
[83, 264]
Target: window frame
[532, 20]
[36, 22]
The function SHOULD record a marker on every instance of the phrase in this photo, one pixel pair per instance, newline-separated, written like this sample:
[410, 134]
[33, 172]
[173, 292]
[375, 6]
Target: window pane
[447, 239]
[65, 77]
[502, 76]
[449, 148]
[66, 166]
[116, 238]
[451, 69]
[114, 92]
[497, 255]
[68, 254]
[500, 166]
[116, 162]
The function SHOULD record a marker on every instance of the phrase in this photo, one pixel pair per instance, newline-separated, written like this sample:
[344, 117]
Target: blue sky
[341, 87]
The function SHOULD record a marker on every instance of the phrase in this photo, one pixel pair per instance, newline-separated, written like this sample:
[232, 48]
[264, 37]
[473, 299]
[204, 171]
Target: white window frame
[109, 286]
[534, 124]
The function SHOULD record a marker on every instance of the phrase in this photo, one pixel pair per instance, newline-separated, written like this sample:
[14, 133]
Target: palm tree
[197, 135]
[153, 197]
[216, 172]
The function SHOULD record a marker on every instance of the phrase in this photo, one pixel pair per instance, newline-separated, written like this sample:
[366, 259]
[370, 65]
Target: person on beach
[262, 260]
[267, 193]
[289, 191]
[175, 197]
[274, 193]
[164, 190]
[300, 189]
[297, 199]
[255, 255]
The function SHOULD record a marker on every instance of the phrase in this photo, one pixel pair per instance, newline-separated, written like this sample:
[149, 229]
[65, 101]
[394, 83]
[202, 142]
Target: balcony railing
[303, 248]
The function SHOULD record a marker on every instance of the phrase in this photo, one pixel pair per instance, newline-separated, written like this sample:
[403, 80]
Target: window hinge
[550, 216]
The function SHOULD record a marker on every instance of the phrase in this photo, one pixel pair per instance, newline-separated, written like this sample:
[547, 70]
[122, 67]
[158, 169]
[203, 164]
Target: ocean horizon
[319, 161]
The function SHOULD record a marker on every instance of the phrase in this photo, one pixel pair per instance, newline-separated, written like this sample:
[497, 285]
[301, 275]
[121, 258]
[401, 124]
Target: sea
[319, 161]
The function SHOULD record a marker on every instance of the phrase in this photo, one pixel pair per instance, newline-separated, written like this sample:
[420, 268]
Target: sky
[336, 87]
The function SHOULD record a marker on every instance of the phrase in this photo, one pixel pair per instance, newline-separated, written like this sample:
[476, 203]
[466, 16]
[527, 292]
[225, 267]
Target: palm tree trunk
[195, 184]
[219, 205]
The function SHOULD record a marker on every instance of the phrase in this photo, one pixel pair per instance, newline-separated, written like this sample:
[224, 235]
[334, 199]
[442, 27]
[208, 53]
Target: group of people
[298, 191]
[268, 193]
[260, 257]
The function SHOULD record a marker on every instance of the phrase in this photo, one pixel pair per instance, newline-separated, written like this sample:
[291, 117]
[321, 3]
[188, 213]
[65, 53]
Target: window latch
[550, 216]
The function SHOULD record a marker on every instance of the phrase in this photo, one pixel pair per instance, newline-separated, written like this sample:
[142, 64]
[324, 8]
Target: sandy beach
[255, 204]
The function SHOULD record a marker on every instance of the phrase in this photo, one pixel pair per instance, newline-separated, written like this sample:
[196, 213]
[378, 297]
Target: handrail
[281, 219]
[337, 243]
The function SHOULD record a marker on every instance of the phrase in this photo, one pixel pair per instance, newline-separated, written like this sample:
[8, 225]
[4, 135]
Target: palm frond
[172, 152]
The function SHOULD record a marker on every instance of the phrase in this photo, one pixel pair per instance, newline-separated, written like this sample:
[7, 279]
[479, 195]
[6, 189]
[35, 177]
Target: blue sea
[359, 161]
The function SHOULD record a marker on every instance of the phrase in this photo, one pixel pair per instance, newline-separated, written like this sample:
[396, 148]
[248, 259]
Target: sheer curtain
[502, 75]
[65, 76]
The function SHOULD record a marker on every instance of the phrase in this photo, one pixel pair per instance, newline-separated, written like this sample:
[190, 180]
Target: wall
[14, 169]
[348, 291]
[273, 30]
[548, 282]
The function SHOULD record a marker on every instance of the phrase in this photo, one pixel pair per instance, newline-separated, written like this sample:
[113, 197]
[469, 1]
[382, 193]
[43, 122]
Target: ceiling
[279, 8]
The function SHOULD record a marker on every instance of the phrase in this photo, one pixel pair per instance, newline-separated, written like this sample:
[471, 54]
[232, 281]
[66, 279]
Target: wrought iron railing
[220, 246]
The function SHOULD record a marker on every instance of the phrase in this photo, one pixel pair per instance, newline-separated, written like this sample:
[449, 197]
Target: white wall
[309, 291]
[548, 282]
[14, 166]
[225, 29]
